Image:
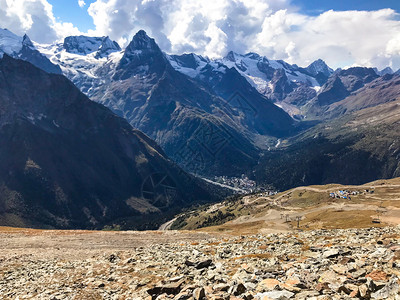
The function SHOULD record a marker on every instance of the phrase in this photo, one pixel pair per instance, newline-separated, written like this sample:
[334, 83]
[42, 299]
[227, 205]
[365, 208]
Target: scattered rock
[377, 275]
[171, 289]
[391, 289]
[268, 284]
[330, 253]
[237, 290]
[204, 264]
[199, 294]
[275, 295]
[274, 266]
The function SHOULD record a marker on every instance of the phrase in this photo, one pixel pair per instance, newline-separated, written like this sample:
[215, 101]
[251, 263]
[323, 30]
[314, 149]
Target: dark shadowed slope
[68, 162]
[353, 149]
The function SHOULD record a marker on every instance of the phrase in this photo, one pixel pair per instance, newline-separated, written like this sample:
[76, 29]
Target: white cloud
[274, 28]
[35, 18]
[340, 38]
[271, 27]
[81, 3]
[217, 43]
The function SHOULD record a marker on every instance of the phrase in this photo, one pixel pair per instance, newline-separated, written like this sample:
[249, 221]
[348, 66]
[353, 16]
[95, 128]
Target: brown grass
[255, 255]
[341, 219]
[214, 244]
[236, 229]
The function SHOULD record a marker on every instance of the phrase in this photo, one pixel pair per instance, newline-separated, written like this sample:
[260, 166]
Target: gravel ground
[320, 264]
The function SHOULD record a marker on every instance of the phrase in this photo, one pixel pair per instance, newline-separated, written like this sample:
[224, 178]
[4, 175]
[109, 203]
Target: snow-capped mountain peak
[387, 70]
[84, 45]
[319, 66]
[107, 46]
[260, 71]
[10, 43]
[26, 41]
[231, 56]
[253, 55]
[23, 48]
[189, 64]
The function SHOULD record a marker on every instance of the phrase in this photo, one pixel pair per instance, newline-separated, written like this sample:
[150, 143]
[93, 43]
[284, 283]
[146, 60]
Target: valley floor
[314, 264]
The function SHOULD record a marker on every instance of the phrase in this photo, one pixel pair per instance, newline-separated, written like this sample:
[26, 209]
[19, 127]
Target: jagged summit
[253, 55]
[85, 45]
[26, 41]
[141, 41]
[230, 56]
[189, 63]
[141, 56]
[23, 48]
[319, 66]
[385, 71]
[107, 46]
[9, 42]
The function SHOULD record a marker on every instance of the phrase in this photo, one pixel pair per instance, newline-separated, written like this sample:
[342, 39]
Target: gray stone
[331, 253]
[276, 295]
[199, 294]
[391, 289]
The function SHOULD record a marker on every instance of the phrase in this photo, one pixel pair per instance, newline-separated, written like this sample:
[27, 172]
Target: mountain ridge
[210, 118]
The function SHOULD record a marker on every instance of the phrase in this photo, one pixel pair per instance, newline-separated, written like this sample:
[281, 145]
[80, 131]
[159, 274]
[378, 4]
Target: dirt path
[167, 225]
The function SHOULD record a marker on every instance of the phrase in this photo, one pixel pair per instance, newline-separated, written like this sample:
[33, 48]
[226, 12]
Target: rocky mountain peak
[107, 46]
[385, 71]
[358, 71]
[84, 45]
[253, 55]
[81, 44]
[23, 48]
[319, 66]
[142, 56]
[26, 41]
[10, 43]
[230, 56]
[142, 42]
[188, 60]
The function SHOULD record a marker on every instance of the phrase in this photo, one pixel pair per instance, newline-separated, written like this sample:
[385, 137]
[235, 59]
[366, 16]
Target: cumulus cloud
[274, 28]
[206, 27]
[271, 27]
[35, 18]
[341, 38]
[81, 3]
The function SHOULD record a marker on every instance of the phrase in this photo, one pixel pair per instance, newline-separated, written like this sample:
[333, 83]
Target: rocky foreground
[322, 264]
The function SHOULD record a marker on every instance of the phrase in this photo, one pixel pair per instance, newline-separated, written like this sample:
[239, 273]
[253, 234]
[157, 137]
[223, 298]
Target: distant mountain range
[194, 121]
[275, 122]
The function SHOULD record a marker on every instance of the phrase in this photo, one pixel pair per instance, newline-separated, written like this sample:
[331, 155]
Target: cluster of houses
[268, 193]
[243, 183]
[346, 194]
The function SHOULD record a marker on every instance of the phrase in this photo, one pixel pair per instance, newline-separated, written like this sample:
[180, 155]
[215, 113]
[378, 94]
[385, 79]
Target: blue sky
[315, 7]
[70, 11]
